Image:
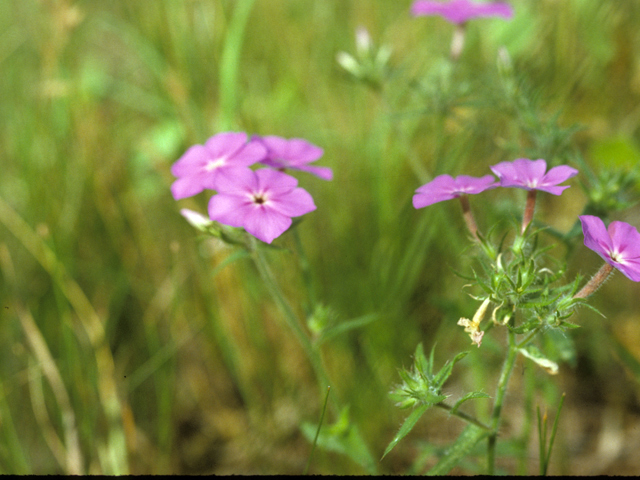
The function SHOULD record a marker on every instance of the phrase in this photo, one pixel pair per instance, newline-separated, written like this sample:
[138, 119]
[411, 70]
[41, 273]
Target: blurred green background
[128, 345]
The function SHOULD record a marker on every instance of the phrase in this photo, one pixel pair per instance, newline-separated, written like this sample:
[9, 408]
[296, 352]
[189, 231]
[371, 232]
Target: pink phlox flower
[618, 245]
[294, 153]
[200, 165]
[262, 201]
[530, 175]
[460, 11]
[445, 187]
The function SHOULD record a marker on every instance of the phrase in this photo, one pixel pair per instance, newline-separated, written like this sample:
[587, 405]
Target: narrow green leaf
[315, 439]
[237, 255]
[468, 396]
[445, 371]
[542, 439]
[406, 427]
[468, 439]
[553, 434]
[343, 437]
[347, 325]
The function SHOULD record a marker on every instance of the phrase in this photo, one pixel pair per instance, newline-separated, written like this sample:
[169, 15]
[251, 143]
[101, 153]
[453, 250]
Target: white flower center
[215, 163]
[616, 256]
[259, 198]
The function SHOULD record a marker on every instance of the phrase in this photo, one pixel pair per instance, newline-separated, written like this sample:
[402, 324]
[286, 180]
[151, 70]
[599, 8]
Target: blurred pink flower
[618, 245]
[445, 187]
[295, 154]
[200, 165]
[460, 11]
[262, 201]
[533, 175]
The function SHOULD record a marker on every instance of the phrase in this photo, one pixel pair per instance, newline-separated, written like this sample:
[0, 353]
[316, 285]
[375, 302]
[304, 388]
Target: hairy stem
[468, 216]
[596, 281]
[529, 209]
[290, 318]
[464, 416]
[501, 390]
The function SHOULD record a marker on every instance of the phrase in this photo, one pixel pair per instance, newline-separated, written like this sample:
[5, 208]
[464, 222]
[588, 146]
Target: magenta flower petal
[262, 201]
[445, 187]
[295, 203]
[200, 165]
[294, 153]
[530, 175]
[275, 181]
[460, 11]
[266, 224]
[619, 245]
[226, 143]
[188, 187]
[229, 209]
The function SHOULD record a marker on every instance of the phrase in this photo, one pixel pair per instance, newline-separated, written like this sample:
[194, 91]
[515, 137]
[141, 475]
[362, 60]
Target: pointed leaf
[342, 437]
[468, 439]
[406, 427]
[445, 372]
[468, 396]
[347, 325]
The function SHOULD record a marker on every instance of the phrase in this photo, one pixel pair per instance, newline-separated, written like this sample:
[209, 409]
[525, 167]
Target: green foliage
[468, 439]
[167, 345]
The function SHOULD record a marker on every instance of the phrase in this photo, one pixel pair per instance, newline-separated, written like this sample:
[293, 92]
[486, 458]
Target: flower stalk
[596, 281]
[290, 318]
[468, 217]
[528, 210]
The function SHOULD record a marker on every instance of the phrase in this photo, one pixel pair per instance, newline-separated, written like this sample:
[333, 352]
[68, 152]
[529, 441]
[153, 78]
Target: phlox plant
[519, 286]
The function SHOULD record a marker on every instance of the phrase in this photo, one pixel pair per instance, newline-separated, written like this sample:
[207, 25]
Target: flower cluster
[522, 173]
[260, 201]
[619, 245]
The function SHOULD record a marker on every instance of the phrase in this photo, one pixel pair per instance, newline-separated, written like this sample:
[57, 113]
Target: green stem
[289, 315]
[306, 272]
[466, 417]
[501, 390]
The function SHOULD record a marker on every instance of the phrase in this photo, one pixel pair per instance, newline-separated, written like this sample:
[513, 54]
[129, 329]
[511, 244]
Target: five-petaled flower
[618, 245]
[294, 154]
[262, 201]
[445, 187]
[200, 165]
[530, 175]
[460, 11]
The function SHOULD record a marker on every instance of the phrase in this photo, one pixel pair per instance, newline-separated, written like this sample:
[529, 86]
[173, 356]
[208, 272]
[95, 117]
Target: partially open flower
[445, 187]
[472, 327]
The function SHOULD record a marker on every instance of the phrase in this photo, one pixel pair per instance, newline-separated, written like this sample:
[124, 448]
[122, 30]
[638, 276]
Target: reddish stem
[596, 281]
[468, 216]
[529, 209]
